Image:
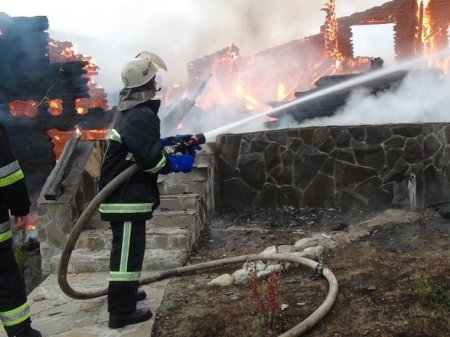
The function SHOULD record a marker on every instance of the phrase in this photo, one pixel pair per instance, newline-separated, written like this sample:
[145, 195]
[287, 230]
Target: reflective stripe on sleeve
[158, 166]
[12, 178]
[5, 231]
[6, 235]
[10, 168]
[4, 226]
[15, 316]
[126, 208]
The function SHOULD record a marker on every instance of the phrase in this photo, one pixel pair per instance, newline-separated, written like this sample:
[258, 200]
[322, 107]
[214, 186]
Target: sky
[178, 30]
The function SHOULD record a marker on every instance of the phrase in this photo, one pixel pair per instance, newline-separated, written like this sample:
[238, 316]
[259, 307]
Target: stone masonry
[352, 166]
[57, 217]
[187, 200]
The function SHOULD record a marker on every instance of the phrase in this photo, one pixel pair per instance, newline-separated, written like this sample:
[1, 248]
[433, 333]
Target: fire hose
[92, 207]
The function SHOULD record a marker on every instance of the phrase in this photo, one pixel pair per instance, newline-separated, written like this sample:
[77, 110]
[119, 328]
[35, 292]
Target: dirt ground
[394, 282]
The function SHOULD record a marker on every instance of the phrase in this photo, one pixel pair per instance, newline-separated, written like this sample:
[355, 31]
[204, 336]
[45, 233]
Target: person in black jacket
[14, 199]
[135, 138]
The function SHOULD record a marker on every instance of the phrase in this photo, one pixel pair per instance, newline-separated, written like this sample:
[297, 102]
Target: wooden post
[54, 187]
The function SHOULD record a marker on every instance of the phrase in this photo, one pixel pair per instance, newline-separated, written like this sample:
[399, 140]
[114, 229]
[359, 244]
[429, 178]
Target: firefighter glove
[174, 140]
[193, 149]
[183, 138]
[168, 141]
[180, 163]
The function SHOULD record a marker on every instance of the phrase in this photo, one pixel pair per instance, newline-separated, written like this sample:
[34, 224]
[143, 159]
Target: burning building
[284, 73]
[46, 92]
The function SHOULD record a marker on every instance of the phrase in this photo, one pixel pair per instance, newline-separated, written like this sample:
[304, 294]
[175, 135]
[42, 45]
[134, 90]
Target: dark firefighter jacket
[13, 192]
[135, 138]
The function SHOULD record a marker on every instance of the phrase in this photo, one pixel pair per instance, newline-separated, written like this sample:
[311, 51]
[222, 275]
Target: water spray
[372, 75]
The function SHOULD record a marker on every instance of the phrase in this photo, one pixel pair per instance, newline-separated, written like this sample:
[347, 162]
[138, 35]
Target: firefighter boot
[141, 295]
[29, 332]
[117, 321]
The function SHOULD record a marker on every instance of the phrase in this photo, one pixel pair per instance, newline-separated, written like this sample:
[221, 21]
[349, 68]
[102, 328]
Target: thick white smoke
[178, 30]
[420, 98]
[181, 31]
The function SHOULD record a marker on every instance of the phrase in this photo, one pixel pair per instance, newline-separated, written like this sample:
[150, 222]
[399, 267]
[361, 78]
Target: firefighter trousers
[14, 309]
[127, 256]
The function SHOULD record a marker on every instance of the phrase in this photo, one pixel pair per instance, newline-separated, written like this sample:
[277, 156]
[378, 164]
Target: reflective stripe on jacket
[135, 138]
[13, 192]
[15, 316]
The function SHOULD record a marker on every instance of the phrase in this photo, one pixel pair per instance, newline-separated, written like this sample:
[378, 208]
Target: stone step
[197, 174]
[180, 201]
[166, 238]
[181, 187]
[204, 158]
[169, 202]
[91, 261]
[174, 219]
[191, 220]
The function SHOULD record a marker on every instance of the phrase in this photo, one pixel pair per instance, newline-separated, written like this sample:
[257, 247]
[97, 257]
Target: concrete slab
[57, 315]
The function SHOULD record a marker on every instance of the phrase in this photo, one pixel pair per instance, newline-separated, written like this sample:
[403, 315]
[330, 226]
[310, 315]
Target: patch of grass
[433, 297]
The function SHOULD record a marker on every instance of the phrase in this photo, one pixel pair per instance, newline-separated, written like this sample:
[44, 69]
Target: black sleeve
[141, 135]
[14, 195]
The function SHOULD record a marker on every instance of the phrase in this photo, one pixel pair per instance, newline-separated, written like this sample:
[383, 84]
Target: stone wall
[57, 217]
[353, 166]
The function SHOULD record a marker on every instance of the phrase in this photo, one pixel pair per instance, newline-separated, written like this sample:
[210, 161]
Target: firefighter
[135, 138]
[14, 199]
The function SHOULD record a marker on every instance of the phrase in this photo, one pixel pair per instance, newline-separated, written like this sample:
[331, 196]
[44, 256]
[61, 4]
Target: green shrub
[433, 297]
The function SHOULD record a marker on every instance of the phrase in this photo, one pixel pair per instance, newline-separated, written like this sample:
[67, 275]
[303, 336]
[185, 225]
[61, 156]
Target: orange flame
[429, 35]
[277, 73]
[426, 26]
[30, 227]
[23, 108]
[59, 138]
[331, 33]
[55, 107]
[61, 52]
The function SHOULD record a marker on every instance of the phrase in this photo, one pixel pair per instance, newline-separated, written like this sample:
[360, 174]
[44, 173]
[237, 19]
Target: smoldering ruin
[59, 120]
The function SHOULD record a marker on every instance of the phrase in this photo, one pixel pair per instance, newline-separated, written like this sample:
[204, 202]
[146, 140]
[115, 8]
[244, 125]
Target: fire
[426, 27]
[253, 82]
[55, 107]
[65, 52]
[30, 227]
[61, 52]
[430, 37]
[251, 102]
[81, 105]
[331, 33]
[276, 74]
[59, 138]
[281, 92]
[23, 108]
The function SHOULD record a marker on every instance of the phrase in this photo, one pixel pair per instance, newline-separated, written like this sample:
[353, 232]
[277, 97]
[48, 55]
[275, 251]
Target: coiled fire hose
[92, 207]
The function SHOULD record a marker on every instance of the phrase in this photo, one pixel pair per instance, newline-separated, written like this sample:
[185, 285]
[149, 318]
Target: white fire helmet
[141, 69]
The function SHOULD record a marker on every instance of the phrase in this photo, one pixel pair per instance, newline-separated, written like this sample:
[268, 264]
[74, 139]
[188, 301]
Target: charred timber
[22, 25]
[65, 81]
[328, 104]
[67, 121]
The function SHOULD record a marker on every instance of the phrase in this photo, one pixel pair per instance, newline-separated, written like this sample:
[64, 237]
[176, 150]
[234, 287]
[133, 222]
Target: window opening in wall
[376, 40]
